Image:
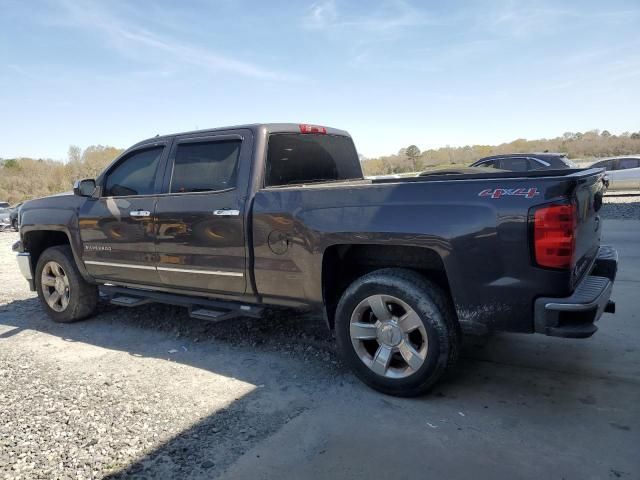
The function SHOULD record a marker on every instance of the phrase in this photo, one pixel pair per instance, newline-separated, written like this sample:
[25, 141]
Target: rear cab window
[300, 158]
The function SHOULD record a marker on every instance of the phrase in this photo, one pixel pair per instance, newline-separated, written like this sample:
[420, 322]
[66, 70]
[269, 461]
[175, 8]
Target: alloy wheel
[55, 286]
[388, 336]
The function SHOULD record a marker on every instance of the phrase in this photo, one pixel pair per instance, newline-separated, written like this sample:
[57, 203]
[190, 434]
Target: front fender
[62, 219]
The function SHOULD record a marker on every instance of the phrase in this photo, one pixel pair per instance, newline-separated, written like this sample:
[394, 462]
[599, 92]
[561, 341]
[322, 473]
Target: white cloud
[134, 40]
[321, 14]
[391, 15]
[520, 20]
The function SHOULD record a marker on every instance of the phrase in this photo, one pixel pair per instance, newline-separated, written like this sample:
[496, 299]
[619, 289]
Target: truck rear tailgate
[593, 267]
[588, 198]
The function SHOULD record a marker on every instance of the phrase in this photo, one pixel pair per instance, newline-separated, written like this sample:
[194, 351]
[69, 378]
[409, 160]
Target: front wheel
[397, 331]
[65, 295]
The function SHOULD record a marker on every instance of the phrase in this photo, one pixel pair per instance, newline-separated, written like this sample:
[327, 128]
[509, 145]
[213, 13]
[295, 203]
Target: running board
[199, 307]
[124, 301]
[212, 315]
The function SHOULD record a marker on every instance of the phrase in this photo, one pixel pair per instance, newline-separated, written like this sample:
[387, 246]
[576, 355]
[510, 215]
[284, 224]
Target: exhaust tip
[611, 307]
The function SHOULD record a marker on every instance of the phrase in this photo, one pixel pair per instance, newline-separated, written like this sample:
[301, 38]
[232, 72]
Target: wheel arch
[344, 263]
[37, 240]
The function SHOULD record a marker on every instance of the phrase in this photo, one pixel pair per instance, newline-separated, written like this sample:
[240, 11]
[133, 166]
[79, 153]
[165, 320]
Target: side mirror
[84, 188]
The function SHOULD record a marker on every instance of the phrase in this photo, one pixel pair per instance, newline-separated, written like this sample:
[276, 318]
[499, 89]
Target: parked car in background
[14, 216]
[4, 205]
[524, 162]
[4, 218]
[623, 173]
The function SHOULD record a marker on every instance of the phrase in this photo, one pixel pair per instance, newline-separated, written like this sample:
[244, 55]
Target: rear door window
[514, 164]
[535, 165]
[309, 158]
[205, 166]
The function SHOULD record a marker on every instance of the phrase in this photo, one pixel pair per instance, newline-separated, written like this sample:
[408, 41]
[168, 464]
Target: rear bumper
[575, 316]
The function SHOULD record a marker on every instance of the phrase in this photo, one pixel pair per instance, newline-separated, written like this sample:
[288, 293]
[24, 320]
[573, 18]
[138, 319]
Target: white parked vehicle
[623, 173]
[4, 218]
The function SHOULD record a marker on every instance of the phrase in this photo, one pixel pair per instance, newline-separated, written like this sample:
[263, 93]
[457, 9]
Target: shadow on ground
[302, 366]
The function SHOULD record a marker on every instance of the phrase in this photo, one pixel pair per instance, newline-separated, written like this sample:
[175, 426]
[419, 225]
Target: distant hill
[26, 178]
[578, 146]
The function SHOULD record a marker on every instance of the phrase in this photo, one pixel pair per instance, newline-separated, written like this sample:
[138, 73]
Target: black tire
[434, 309]
[14, 224]
[83, 296]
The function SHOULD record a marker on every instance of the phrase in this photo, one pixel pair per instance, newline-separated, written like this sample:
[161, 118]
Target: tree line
[585, 146]
[25, 178]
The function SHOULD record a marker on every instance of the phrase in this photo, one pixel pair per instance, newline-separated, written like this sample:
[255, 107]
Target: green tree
[75, 154]
[413, 153]
[10, 163]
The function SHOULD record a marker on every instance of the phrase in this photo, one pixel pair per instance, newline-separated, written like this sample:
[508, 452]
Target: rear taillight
[304, 128]
[554, 235]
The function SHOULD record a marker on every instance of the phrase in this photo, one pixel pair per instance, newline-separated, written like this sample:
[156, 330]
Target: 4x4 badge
[503, 192]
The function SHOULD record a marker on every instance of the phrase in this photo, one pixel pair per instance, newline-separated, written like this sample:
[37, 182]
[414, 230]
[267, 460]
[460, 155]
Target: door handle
[140, 213]
[226, 212]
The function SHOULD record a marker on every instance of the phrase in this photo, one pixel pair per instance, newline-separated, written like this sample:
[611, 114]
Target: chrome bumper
[24, 264]
[575, 316]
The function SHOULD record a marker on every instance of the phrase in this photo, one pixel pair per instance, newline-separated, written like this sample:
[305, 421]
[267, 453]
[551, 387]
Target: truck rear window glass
[205, 166]
[307, 158]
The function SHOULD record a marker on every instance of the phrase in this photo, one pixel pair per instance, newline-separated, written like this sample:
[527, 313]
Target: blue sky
[391, 72]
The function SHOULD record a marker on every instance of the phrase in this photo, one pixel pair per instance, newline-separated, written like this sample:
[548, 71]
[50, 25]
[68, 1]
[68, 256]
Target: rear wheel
[397, 331]
[66, 296]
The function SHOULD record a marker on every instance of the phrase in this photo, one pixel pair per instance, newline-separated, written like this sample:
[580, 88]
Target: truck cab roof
[266, 128]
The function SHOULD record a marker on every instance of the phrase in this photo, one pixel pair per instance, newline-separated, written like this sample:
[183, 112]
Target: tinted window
[304, 158]
[488, 164]
[625, 163]
[606, 164]
[205, 166]
[515, 164]
[135, 175]
[568, 162]
[535, 165]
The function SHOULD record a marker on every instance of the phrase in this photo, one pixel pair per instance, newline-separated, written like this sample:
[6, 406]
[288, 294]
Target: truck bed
[483, 239]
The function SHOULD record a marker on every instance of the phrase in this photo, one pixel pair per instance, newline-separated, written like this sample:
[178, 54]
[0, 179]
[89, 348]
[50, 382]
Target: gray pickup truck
[230, 220]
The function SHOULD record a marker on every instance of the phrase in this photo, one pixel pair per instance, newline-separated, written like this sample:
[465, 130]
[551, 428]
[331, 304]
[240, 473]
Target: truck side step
[125, 301]
[211, 315]
[199, 307]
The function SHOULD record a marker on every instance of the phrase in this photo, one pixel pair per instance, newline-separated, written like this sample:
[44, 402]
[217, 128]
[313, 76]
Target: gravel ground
[146, 391]
[152, 393]
[625, 207]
